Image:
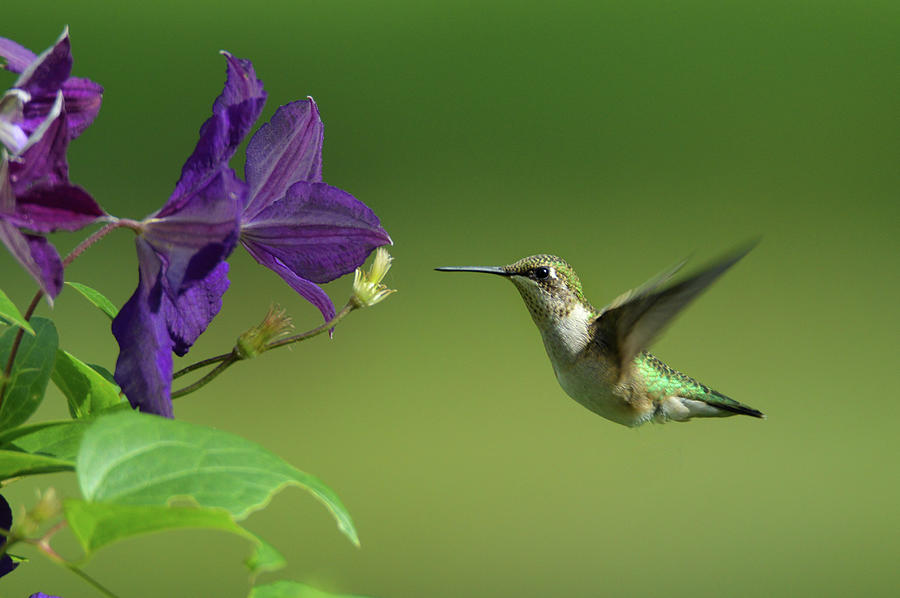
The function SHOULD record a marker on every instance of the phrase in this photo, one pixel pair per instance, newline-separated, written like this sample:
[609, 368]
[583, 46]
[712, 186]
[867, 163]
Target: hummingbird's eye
[541, 273]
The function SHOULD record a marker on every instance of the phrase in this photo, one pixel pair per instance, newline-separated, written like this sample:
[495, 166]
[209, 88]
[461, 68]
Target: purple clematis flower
[304, 230]
[186, 243]
[41, 77]
[36, 125]
[36, 195]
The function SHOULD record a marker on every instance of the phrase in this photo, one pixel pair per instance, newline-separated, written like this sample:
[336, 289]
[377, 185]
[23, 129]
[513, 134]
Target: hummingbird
[600, 357]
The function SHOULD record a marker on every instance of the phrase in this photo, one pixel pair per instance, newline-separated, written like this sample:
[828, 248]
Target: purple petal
[283, 151]
[83, 98]
[7, 565]
[144, 366]
[42, 198]
[306, 289]
[58, 207]
[241, 84]
[200, 235]
[6, 562]
[234, 113]
[46, 74]
[36, 255]
[5, 518]
[17, 57]
[82, 103]
[44, 161]
[317, 231]
[194, 309]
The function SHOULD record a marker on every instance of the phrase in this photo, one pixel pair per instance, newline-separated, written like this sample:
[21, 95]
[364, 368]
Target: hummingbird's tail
[720, 401]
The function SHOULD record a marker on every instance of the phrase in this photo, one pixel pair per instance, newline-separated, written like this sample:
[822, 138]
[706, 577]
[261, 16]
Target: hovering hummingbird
[598, 355]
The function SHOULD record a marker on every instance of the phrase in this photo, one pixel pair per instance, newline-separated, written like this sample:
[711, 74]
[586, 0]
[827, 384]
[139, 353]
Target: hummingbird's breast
[587, 374]
[590, 381]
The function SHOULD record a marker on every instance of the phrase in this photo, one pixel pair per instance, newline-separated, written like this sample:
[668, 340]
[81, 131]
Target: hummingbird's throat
[564, 325]
[567, 334]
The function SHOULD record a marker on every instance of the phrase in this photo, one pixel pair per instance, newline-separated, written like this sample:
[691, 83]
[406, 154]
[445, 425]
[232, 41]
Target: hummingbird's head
[548, 285]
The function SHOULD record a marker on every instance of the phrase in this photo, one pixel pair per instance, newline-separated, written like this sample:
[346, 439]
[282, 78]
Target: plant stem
[102, 232]
[44, 546]
[7, 370]
[97, 585]
[226, 360]
[200, 364]
[315, 331]
[231, 359]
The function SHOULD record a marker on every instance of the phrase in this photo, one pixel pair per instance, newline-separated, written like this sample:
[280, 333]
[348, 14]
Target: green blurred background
[621, 135]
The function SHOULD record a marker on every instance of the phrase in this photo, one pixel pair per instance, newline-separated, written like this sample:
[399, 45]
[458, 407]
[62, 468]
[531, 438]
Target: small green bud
[47, 508]
[276, 325]
[367, 287]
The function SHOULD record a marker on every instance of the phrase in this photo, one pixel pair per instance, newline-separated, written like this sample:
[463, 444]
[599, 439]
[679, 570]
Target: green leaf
[139, 459]
[30, 373]
[99, 524]
[55, 439]
[10, 313]
[87, 390]
[103, 372]
[293, 589]
[97, 298]
[16, 463]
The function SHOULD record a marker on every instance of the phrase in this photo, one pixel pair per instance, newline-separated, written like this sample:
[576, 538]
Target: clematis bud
[367, 287]
[48, 507]
[276, 325]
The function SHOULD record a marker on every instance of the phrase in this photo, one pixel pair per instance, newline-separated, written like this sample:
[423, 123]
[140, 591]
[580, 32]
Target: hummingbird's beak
[485, 269]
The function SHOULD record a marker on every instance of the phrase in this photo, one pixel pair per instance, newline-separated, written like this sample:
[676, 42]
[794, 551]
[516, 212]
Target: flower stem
[229, 360]
[97, 585]
[201, 364]
[351, 305]
[43, 545]
[102, 232]
[226, 360]
[79, 249]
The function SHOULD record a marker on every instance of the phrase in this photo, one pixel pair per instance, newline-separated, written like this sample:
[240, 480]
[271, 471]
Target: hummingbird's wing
[630, 323]
[646, 288]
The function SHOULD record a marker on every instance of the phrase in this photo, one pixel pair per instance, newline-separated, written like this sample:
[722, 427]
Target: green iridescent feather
[662, 381]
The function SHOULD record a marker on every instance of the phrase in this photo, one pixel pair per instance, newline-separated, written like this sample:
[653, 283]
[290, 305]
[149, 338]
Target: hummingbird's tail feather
[720, 401]
[679, 397]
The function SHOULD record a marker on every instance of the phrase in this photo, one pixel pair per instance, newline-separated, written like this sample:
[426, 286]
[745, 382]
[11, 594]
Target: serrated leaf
[58, 439]
[139, 459]
[87, 391]
[11, 314]
[293, 589]
[97, 298]
[16, 463]
[99, 524]
[30, 373]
